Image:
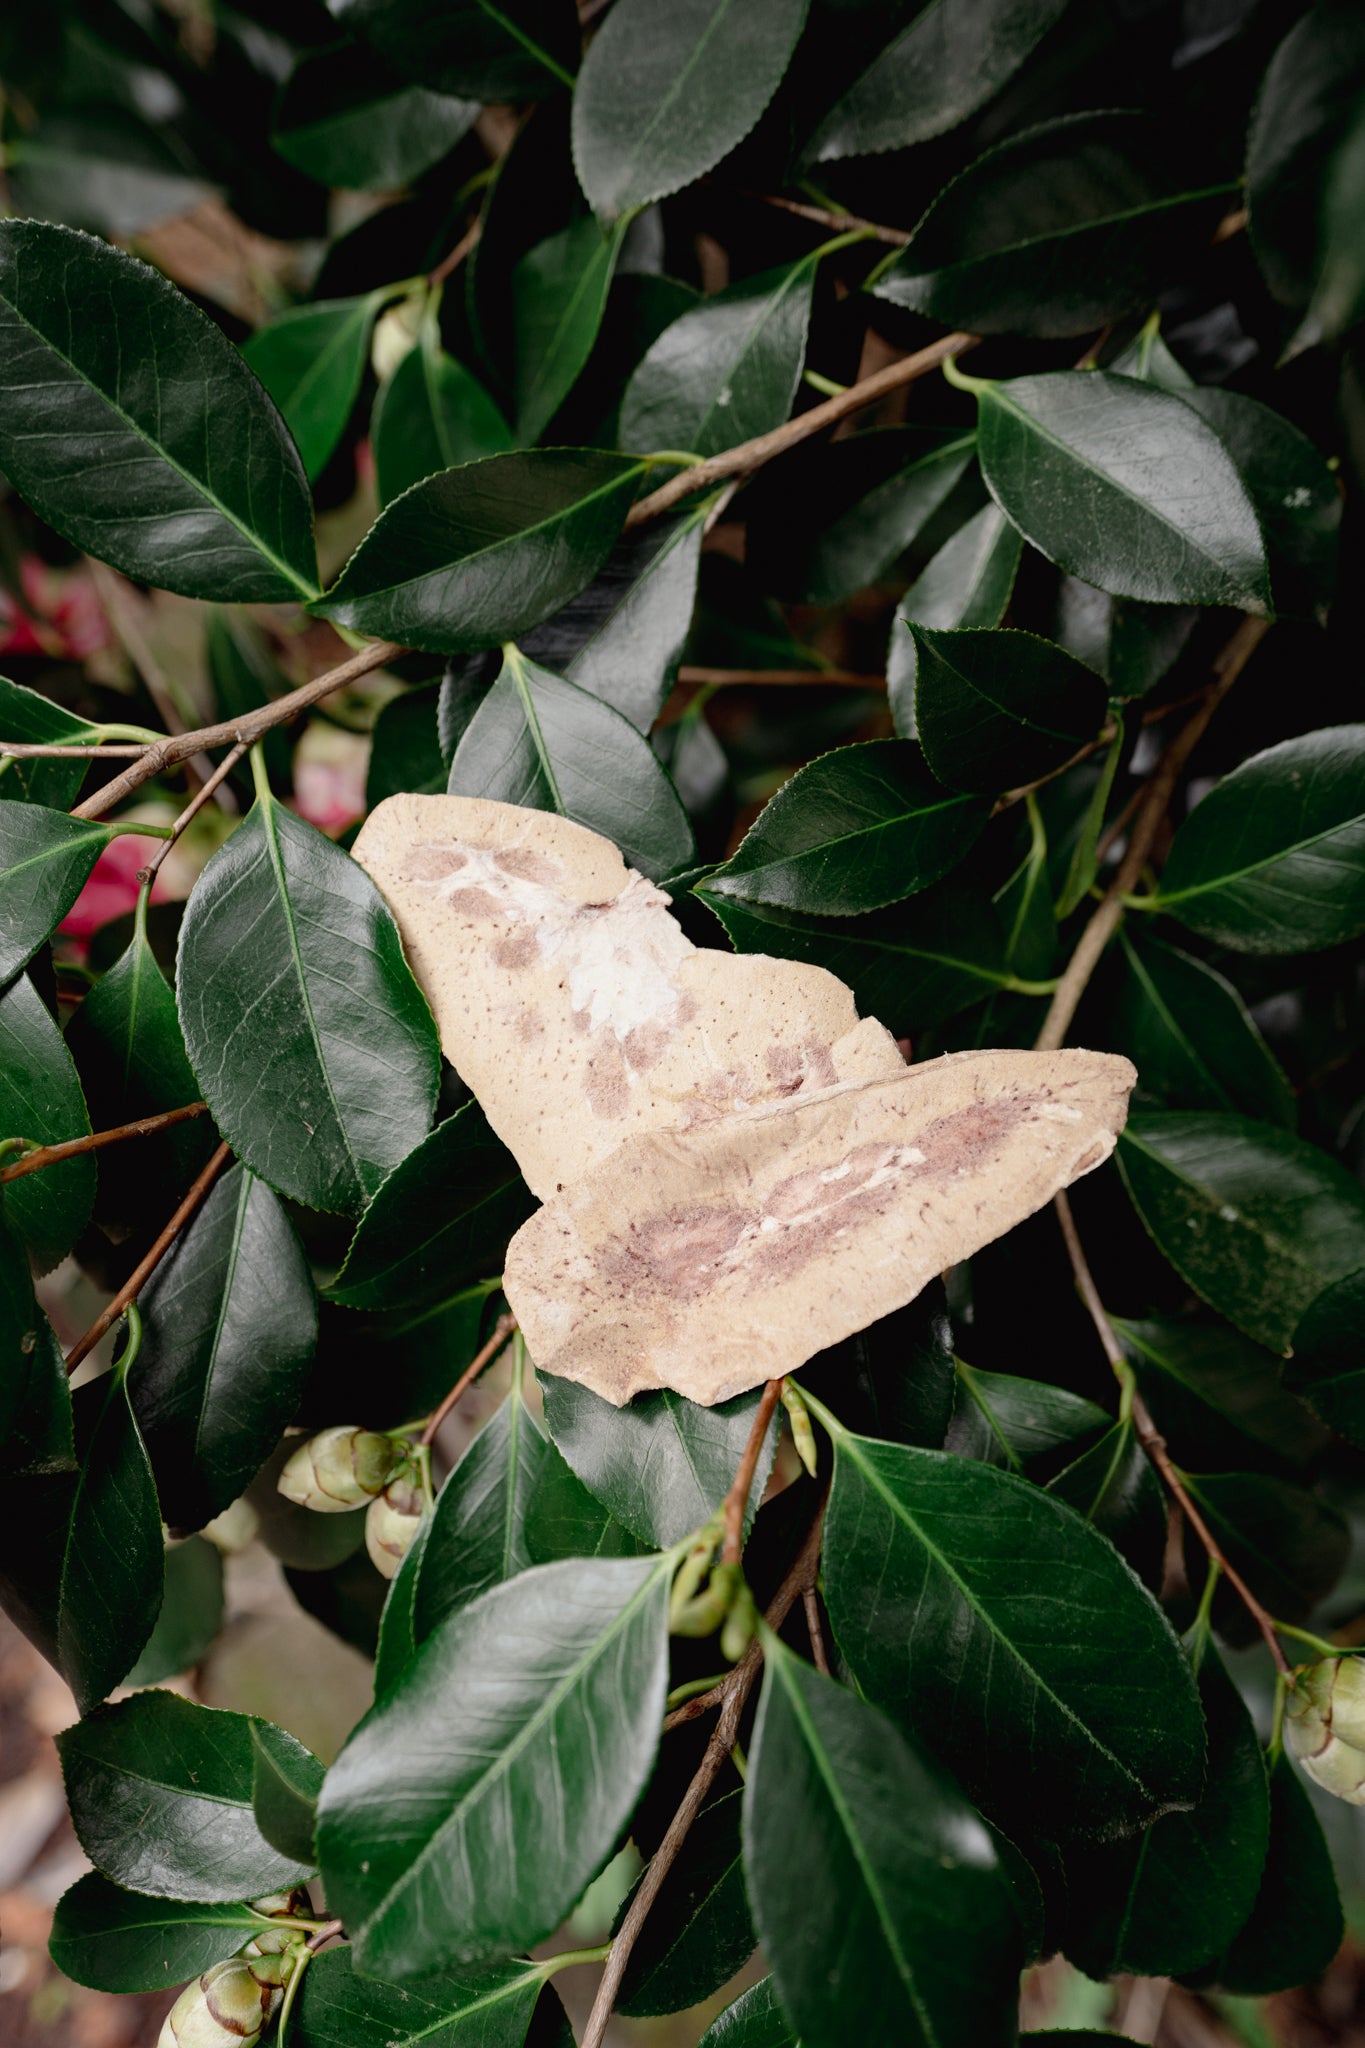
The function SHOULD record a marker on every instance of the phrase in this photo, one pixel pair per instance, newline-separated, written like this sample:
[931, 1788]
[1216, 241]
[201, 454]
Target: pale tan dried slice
[712, 1259]
[572, 1002]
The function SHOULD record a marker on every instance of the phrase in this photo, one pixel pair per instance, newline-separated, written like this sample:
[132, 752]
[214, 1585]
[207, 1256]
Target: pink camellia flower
[66, 617]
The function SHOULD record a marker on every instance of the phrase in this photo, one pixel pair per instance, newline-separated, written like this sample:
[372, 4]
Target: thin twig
[735, 1690]
[146, 1266]
[27, 750]
[196, 803]
[141, 1127]
[719, 678]
[1150, 1437]
[737, 1499]
[751, 455]
[1146, 824]
[815, 1630]
[457, 255]
[321, 1935]
[825, 217]
[504, 1328]
[120, 604]
[1101, 740]
[165, 753]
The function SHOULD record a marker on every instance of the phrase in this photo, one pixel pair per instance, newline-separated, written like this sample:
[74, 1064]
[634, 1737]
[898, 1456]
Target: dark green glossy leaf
[994, 709]
[967, 584]
[1328, 1363]
[477, 1537]
[622, 638]
[564, 1520]
[911, 965]
[24, 715]
[559, 291]
[35, 1405]
[311, 360]
[191, 1613]
[1257, 1222]
[662, 1465]
[1006, 1421]
[1307, 96]
[474, 556]
[1295, 1927]
[1024, 902]
[724, 371]
[1054, 231]
[1297, 498]
[440, 1220]
[545, 1695]
[755, 2020]
[115, 1940]
[897, 1378]
[160, 1795]
[1115, 1488]
[286, 1781]
[540, 741]
[397, 1638]
[125, 1039]
[862, 544]
[112, 1567]
[698, 1933]
[45, 861]
[1131, 644]
[182, 473]
[876, 1890]
[432, 415]
[857, 829]
[1169, 517]
[104, 169]
[940, 68]
[1170, 1900]
[1218, 1395]
[40, 1098]
[229, 1326]
[405, 748]
[515, 51]
[1191, 1038]
[295, 998]
[1022, 1610]
[639, 131]
[1288, 1544]
[1271, 860]
[478, 2008]
[345, 120]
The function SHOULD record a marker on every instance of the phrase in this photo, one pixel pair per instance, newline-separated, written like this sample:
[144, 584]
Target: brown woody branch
[751, 455]
[737, 1499]
[1147, 823]
[146, 1266]
[503, 1329]
[30, 750]
[196, 804]
[1150, 1437]
[141, 1127]
[733, 1693]
[177, 747]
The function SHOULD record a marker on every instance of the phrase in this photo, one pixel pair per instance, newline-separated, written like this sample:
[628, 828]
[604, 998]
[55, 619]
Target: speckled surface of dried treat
[712, 1259]
[572, 1002]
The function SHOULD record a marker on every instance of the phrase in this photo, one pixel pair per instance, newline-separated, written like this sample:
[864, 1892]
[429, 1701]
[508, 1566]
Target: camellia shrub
[825, 522]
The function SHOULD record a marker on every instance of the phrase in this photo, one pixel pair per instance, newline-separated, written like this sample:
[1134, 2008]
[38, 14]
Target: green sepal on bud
[230, 2006]
[392, 1521]
[340, 1468]
[740, 1624]
[1324, 1725]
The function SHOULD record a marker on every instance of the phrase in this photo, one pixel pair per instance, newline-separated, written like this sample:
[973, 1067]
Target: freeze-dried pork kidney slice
[712, 1259]
[572, 1002]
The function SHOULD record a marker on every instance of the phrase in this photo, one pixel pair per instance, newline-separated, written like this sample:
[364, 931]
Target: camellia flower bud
[392, 1522]
[340, 1468]
[1324, 1725]
[228, 2007]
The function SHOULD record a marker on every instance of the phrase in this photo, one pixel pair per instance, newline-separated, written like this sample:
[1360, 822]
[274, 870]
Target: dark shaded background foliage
[1136, 495]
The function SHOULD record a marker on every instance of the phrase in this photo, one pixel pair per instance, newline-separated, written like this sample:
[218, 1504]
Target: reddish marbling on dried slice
[575, 1006]
[712, 1259]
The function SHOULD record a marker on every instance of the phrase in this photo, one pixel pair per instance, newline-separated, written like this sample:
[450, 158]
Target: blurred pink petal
[67, 620]
[112, 889]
